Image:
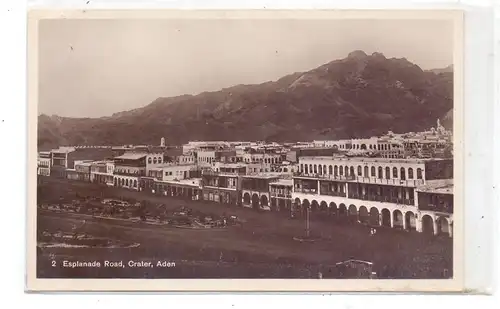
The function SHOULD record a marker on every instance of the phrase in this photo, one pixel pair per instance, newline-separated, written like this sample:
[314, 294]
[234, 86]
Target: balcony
[333, 193]
[382, 199]
[130, 173]
[393, 182]
[213, 173]
[306, 191]
[283, 195]
[438, 209]
[325, 176]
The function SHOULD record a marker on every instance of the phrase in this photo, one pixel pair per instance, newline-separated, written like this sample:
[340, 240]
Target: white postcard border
[241, 285]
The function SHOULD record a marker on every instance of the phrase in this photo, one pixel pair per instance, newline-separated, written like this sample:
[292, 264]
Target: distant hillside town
[402, 181]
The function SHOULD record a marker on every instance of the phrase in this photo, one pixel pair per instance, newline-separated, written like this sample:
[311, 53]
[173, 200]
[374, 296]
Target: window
[380, 176]
[410, 173]
[330, 170]
[341, 170]
[373, 172]
[346, 171]
[302, 168]
[336, 170]
[155, 161]
[394, 172]
[150, 160]
[366, 170]
[306, 169]
[387, 172]
[360, 172]
[310, 168]
[419, 173]
[403, 174]
[324, 169]
[135, 183]
[315, 169]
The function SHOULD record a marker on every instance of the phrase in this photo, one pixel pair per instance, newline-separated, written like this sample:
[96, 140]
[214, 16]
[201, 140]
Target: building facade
[172, 171]
[224, 185]
[128, 169]
[44, 163]
[373, 191]
[280, 192]
[255, 190]
[101, 172]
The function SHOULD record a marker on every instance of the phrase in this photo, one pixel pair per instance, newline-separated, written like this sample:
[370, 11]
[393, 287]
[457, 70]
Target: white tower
[162, 142]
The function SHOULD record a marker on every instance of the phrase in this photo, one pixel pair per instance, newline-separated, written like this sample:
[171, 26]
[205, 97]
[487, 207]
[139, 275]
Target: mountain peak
[357, 54]
[378, 55]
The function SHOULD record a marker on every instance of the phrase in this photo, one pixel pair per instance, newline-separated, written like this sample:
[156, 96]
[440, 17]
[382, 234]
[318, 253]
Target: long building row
[410, 194]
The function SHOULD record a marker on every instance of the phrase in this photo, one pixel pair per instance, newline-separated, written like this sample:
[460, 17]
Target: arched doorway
[333, 209]
[296, 206]
[305, 205]
[342, 211]
[397, 216]
[386, 217]
[314, 206]
[411, 223]
[427, 225]
[364, 217]
[323, 206]
[264, 201]
[353, 213]
[246, 199]
[374, 216]
[443, 226]
[255, 201]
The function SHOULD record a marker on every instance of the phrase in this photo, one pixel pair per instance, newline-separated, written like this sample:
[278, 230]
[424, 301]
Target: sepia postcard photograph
[245, 151]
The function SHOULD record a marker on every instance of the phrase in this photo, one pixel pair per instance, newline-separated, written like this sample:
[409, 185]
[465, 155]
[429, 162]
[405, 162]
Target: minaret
[162, 142]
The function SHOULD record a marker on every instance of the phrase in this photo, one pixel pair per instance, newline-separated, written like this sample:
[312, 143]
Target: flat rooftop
[371, 160]
[190, 182]
[269, 175]
[131, 156]
[441, 186]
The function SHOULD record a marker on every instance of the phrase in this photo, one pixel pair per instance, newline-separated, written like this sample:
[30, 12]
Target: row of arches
[373, 216]
[363, 146]
[155, 160]
[255, 200]
[125, 182]
[268, 160]
[380, 172]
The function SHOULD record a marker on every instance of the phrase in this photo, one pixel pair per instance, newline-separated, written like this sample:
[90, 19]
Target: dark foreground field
[262, 247]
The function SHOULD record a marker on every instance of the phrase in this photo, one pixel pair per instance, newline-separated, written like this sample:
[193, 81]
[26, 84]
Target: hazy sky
[92, 68]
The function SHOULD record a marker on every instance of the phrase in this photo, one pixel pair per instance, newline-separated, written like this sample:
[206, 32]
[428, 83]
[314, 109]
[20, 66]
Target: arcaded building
[375, 191]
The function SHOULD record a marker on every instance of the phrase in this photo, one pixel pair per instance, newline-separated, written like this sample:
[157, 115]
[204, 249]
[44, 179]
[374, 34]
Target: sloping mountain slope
[358, 96]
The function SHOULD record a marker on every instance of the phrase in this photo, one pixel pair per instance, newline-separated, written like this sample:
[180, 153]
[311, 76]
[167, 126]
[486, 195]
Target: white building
[153, 160]
[44, 161]
[375, 191]
[172, 171]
